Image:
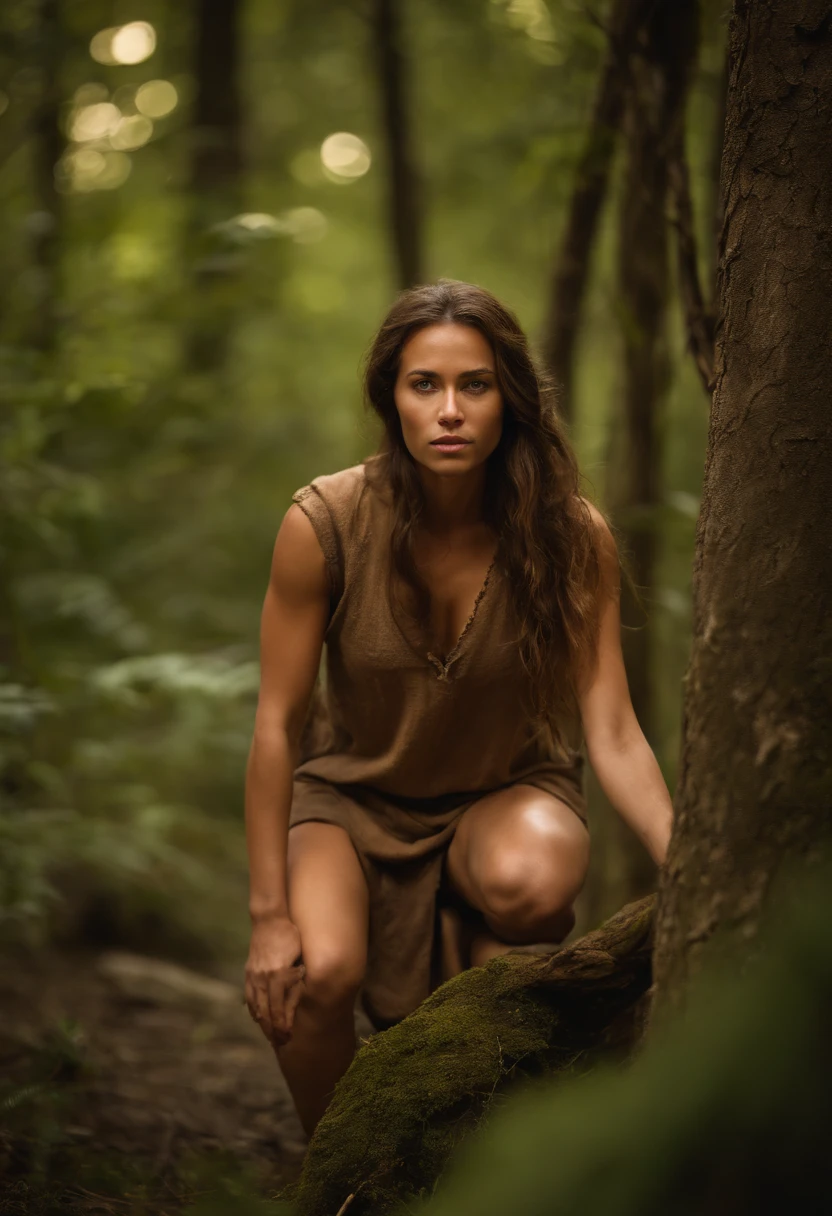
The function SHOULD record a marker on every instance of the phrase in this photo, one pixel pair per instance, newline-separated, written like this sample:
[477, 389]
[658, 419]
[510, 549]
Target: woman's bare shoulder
[298, 568]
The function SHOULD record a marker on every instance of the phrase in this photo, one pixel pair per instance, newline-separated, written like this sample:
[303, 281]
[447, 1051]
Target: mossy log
[416, 1090]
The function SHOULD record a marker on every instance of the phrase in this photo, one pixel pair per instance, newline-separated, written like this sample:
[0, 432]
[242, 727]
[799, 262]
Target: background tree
[403, 187]
[48, 146]
[572, 264]
[662, 61]
[215, 189]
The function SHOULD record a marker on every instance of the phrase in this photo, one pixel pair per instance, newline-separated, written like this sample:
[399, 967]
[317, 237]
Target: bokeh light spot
[124, 44]
[94, 122]
[86, 169]
[132, 132]
[258, 221]
[156, 98]
[344, 156]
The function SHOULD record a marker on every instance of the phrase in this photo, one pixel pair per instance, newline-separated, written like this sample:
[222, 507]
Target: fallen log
[415, 1091]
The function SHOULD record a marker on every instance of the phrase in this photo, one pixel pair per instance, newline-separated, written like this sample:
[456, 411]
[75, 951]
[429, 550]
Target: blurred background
[207, 208]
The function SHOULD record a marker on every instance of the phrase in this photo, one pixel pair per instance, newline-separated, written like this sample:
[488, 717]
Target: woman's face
[446, 393]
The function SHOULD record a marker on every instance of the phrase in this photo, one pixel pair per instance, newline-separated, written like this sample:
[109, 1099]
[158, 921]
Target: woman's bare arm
[620, 755]
[292, 627]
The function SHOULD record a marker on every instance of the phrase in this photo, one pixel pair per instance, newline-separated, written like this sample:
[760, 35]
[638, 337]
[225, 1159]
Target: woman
[468, 599]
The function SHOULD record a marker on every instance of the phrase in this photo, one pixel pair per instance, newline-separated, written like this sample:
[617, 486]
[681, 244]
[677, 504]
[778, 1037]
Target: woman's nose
[450, 405]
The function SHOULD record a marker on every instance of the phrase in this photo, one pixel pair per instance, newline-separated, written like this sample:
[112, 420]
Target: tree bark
[572, 265]
[403, 191]
[661, 70]
[215, 186]
[755, 786]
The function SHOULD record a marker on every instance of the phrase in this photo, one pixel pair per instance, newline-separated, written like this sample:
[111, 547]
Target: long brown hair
[547, 544]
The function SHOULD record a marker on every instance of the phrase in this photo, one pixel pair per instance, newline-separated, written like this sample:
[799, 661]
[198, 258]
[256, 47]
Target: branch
[699, 319]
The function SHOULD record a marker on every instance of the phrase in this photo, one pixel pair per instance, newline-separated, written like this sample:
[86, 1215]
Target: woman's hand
[274, 977]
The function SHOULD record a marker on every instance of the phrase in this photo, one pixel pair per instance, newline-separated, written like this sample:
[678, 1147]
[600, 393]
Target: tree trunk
[755, 787]
[48, 146]
[403, 193]
[655, 115]
[571, 270]
[215, 187]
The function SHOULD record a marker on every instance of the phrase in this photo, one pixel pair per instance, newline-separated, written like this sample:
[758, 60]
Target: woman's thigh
[520, 856]
[329, 904]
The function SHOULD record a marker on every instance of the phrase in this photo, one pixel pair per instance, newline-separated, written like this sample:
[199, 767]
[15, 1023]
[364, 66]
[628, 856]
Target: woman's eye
[479, 386]
[417, 385]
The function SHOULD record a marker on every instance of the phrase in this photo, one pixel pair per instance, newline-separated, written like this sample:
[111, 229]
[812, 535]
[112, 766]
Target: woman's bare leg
[328, 902]
[519, 857]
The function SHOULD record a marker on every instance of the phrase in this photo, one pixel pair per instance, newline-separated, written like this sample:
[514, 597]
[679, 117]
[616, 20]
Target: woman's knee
[530, 891]
[333, 977]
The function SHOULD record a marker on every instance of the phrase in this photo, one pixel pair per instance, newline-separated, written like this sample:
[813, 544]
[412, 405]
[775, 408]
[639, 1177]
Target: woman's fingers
[276, 995]
[260, 1009]
[272, 1000]
[293, 994]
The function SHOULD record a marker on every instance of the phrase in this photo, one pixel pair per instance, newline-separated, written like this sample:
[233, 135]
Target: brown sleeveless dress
[411, 739]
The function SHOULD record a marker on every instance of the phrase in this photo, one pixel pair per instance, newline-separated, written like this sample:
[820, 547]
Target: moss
[415, 1091]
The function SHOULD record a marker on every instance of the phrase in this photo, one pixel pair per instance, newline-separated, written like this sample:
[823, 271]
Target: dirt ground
[128, 1082]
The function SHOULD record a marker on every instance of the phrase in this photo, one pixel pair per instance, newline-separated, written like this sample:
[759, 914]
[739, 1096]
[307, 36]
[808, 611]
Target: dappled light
[133, 131]
[344, 156]
[95, 121]
[87, 169]
[124, 44]
[156, 98]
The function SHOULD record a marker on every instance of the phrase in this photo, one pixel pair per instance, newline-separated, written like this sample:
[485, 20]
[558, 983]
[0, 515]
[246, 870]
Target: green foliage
[121, 759]
[140, 489]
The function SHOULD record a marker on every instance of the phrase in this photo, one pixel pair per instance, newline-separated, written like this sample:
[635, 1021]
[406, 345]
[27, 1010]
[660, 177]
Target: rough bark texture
[571, 271]
[416, 1090]
[660, 75]
[755, 785]
[402, 180]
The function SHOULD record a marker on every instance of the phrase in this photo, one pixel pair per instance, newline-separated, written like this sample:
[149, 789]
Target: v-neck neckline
[441, 665]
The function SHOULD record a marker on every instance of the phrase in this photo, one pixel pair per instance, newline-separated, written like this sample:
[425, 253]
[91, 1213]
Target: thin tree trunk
[698, 303]
[48, 146]
[655, 114]
[572, 265]
[403, 190]
[215, 187]
[755, 787]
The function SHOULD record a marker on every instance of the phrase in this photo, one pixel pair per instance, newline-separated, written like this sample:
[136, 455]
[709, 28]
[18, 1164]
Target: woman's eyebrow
[476, 371]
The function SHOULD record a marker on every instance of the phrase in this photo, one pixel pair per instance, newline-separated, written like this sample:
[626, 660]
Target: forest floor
[132, 1085]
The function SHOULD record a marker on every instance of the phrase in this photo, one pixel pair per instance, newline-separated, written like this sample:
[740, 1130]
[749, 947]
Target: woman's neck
[452, 504]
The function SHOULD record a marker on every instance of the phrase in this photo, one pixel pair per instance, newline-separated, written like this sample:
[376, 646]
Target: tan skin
[519, 856]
